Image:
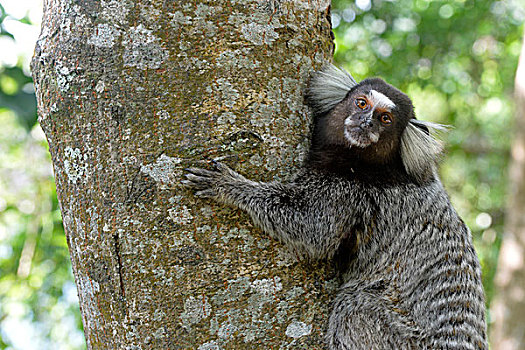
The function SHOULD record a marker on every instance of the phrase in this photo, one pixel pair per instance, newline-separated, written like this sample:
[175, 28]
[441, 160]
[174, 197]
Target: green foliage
[457, 60]
[16, 92]
[3, 16]
[38, 299]
[14, 98]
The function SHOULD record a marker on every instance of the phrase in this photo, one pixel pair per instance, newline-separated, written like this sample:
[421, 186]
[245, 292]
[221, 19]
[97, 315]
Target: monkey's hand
[214, 183]
[297, 214]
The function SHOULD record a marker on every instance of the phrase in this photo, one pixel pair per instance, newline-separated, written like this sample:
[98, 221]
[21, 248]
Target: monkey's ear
[420, 151]
[327, 88]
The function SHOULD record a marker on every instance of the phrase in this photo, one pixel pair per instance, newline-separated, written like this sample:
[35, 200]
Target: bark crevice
[116, 245]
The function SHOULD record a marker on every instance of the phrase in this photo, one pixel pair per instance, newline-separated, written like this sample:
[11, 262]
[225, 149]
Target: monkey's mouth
[360, 136]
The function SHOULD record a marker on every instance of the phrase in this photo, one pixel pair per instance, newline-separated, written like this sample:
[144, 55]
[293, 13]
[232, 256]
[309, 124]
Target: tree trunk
[129, 94]
[508, 309]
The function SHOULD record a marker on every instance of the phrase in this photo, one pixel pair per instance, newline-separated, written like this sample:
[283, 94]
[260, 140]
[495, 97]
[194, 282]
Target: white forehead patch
[380, 100]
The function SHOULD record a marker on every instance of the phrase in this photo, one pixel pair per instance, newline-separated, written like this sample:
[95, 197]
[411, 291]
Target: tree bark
[129, 94]
[508, 307]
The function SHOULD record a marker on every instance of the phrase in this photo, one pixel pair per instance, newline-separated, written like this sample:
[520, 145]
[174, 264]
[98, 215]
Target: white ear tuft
[420, 150]
[328, 87]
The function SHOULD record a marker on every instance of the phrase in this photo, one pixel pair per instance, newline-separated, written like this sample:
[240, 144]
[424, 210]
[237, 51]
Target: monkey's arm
[301, 215]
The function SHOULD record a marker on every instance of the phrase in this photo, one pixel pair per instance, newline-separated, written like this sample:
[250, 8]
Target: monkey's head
[373, 120]
[372, 116]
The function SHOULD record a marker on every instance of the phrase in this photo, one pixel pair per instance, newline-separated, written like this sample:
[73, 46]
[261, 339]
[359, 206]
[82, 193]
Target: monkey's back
[417, 255]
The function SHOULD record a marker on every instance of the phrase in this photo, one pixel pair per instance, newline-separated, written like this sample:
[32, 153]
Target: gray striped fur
[415, 280]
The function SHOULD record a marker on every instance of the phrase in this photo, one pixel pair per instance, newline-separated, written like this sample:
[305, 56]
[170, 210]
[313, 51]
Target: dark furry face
[370, 119]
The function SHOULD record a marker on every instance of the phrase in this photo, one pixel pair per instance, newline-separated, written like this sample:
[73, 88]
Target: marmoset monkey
[369, 195]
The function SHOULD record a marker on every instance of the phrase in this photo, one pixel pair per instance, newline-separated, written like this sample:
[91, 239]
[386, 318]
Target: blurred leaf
[18, 74]
[8, 85]
[37, 293]
[25, 20]
[4, 32]
[23, 104]
[3, 15]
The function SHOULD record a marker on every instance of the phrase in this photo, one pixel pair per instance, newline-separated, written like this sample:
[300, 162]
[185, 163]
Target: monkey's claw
[204, 181]
[209, 183]
[198, 179]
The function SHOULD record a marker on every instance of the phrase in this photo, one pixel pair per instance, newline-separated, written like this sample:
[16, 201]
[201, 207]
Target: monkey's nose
[366, 121]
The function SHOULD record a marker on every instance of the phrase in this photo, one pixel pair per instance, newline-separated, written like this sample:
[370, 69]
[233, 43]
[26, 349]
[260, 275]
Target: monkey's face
[372, 116]
[370, 113]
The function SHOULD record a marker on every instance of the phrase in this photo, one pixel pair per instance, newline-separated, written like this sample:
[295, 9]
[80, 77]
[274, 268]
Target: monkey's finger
[196, 178]
[197, 182]
[196, 186]
[201, 172]
[192, 184]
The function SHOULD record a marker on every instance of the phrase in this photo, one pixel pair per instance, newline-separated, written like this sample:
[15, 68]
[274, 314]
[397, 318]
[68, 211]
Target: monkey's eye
[361, 103]
[386, 118]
